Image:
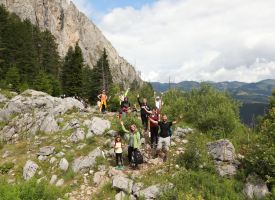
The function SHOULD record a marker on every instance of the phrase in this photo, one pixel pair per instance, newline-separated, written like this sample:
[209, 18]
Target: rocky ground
[70, 146]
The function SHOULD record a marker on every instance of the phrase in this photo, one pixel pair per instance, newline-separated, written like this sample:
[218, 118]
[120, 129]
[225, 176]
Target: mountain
[69, 26]
[254, 96]
[246, 92]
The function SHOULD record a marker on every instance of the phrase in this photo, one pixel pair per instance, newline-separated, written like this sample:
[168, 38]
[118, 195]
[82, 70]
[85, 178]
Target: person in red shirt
[154, 128]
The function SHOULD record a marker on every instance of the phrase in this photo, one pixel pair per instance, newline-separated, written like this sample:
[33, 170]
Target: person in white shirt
[118, 151]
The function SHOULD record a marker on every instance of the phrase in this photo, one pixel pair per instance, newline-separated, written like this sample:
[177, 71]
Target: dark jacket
[142, 110]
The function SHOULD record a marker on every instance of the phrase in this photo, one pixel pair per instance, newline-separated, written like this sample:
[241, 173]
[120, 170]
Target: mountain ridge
[257, 92]
[70, 26]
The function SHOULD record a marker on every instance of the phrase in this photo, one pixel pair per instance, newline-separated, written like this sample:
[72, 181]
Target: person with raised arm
[144, 108]
[133, 138]
[164, 135]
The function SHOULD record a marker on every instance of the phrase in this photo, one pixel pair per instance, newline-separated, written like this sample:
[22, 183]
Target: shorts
[163, 143]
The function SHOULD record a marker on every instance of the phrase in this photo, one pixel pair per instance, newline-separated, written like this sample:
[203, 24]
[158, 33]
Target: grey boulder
[86, 162]
[46, 151]
[255, 187]
[63, 164]
[98, 126]
[77, 135]
[122, 183]
[29, 169]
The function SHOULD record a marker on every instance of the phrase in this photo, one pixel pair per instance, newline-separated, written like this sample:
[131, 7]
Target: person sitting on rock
[133, 138]
[164, 139]
[103, 101]
[118, 151]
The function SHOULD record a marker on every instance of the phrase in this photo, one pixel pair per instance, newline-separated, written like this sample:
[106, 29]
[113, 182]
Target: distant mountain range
[254, 96]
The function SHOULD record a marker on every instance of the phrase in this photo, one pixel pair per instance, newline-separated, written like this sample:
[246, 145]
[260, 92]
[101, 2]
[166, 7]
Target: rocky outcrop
[32, 112]
[86, 162]
[122, 183]
[223, 153]
[69, 26]
[255, 187]
[98, 126]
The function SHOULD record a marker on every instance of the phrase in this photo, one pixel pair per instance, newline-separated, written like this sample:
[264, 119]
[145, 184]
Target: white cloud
[196, 40]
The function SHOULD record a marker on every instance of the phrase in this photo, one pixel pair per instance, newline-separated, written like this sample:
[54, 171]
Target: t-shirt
[158, 104]
[154, 117]
[164, 129]
[118, 147]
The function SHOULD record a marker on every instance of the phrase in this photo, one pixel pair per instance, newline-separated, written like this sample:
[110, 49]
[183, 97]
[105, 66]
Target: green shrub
[195, 156]
[206, 108]
[261, 156]
[29, 190]
[6, 167]
[203, 185]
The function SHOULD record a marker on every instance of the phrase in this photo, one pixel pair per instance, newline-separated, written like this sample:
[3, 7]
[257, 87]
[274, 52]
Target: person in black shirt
[143, 112]
[164, 135]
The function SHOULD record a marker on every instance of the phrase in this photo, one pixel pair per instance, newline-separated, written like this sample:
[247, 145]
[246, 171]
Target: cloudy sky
[201, 40]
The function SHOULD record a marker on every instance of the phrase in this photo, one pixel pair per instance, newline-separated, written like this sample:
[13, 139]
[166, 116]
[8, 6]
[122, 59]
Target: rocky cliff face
[70, 26]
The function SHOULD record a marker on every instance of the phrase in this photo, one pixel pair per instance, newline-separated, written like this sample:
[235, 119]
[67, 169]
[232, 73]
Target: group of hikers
[156, 127]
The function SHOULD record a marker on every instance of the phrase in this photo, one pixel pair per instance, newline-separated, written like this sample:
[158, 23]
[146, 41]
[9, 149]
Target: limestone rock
[60, 182]
[73, 124]
[181, 132]
[77, 135]
[29, 169]
[222, 150]
[255, 187]
[223, 153]
[63, 164]
[149, 193]
[98, 126]
[120, 196]
[49, 125]
[34, 111]
[137, 187]
[122, 183]
[100, 178]
[53, 160]
[69, 26]
[86, 162]
[46, 151]
[53, 179]
[42, 158]
[3, 98]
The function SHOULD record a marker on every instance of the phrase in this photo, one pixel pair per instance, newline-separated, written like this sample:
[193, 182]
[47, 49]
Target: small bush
[195, 156]
[6, 167]
[29, 190]
[203, 185]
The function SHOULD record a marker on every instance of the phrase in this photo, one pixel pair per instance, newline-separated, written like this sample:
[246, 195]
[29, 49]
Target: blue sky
[201, 40]
[95, 9]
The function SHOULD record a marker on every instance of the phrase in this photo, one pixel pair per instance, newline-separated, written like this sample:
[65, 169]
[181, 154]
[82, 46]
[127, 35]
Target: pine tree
[42, 82]
[102, 78]
[72, 72]
[13, 78]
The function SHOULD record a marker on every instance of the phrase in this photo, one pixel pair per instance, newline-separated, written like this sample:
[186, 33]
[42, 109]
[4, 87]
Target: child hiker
[118, 151]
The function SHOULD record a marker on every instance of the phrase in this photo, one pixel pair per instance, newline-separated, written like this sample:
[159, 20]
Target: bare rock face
[70, 26]
[223, 153]
[33, 111]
